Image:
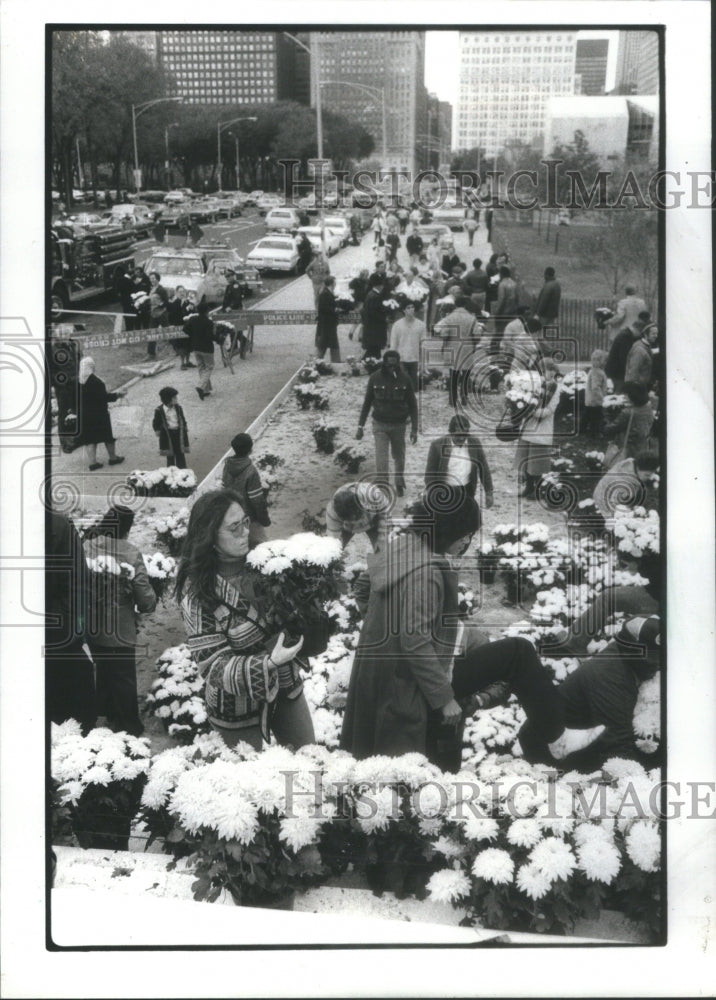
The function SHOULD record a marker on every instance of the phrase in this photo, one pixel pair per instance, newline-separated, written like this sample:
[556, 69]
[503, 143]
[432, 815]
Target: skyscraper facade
[376, 78]
[591, 65]
[216, 66]
[638, 63]
[506, 79]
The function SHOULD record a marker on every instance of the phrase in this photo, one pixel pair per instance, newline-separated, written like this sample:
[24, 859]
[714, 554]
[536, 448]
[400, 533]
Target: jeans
[176, 457]
[205, 363]
[411, 370]
[389, 438]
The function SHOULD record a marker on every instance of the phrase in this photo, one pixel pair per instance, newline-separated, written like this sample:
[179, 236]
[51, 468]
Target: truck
[88, 265]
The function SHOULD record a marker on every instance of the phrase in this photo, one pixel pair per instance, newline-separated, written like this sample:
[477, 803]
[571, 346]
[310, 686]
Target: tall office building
[144, 40]
[439, 132]
[391, 66]
[506, 79]
[637, 63]
[217, 66]
[591, 65]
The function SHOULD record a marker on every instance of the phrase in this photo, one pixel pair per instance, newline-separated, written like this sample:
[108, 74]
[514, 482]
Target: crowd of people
[417, 673]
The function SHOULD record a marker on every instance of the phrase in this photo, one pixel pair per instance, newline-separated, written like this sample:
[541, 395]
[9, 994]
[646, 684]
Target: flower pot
[316, 634]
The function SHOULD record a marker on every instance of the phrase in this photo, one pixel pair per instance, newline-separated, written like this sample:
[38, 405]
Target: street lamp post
[166, 150]
[137, 110]
[220, 127]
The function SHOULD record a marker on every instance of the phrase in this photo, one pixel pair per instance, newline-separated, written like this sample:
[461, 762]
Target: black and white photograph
[357, 526]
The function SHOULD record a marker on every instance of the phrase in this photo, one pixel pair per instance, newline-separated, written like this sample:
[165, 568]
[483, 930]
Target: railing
[577, 322]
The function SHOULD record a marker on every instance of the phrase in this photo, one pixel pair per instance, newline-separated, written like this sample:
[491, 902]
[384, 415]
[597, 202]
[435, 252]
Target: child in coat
[594, 394]
[241, 476]
[169, 424]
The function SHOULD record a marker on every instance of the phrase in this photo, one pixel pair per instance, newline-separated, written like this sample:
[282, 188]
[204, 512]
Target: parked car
[339, 225]
[89, 221]
[136, 216]
[254, 196]
[153, 197]
[230, 204]
[177, 197]
[266, 202]
[219, 251]
[175, 218]
[428, 230]
[275, 253]
[201, 270]
[78, 195]
[205, 209]
[322, 239]
[282, 220]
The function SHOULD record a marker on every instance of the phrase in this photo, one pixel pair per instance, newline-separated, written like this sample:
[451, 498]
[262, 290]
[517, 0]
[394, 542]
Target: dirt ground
[308, 479]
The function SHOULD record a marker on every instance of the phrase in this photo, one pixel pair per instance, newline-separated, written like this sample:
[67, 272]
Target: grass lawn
[531, 251]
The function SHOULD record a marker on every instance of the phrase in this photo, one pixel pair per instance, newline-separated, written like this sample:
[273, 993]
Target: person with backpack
[241, 477]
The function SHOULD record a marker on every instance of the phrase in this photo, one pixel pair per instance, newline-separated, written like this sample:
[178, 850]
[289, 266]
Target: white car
[339, 225]
[282, 220]
[266, 202]
[254, 196]
[274, 253]
[177, 198]
[322, 240]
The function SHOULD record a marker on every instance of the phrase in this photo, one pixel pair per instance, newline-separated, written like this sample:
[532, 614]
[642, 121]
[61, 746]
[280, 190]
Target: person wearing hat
[602, 692]
[416, 670]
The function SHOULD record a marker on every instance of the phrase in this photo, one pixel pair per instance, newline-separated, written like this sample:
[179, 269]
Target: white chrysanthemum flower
[449, 847]
[276, 565]
[619, 767]
[599, 860]
[480, 827]
[587, 832]
[554, 857]
[376, 810]
[533, 882]
[448, 885]
[524, 832]
[299, 831]
[494, 865]
[97, 776]
[71, 791]
[643, 845]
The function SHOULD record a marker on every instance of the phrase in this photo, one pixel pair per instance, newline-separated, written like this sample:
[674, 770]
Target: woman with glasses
[253, 682]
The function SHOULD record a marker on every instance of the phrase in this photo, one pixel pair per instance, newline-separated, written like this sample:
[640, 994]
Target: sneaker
[117, 460]
[200, 392]
[573, 740]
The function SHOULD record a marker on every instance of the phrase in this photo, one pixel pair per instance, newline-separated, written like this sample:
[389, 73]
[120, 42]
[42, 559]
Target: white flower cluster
[174, 525]
[573, 381]
[594, 459]
[100, 758]
[491, 728]
[637, 532]
[303, 549]
[176, 697]
[170, 478]
[159, 566]
[562, 465]
[647, 715]
[614, 402]
[106, 565]
[523, 388]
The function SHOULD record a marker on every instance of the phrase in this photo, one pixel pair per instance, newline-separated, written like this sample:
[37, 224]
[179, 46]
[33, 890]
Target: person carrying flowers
[534, 448]
[253, 683]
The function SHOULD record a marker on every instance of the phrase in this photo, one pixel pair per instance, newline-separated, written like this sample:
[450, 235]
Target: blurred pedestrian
[318, 270]
[631, 429]
[628, 310]
[639, 362]
[374, 319]
[547, 305]
[327, 322]
[69, 672]
[357, 508]
[200, 330]
[458, 461]
[405, 337]
[620, 349]
[533, 458]
[594, 393]
[169, 424]
[113, 621]
[93, 418]
[390, 397]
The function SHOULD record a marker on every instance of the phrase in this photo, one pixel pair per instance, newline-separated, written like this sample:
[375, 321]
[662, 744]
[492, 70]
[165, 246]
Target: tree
[578, 161]
[622, 244]
[72, 57]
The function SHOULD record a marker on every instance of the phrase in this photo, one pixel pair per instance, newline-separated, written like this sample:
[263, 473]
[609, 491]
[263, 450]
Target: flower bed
[162, 482]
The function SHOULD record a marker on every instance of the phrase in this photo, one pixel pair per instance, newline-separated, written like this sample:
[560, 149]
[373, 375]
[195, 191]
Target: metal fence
[577, 322]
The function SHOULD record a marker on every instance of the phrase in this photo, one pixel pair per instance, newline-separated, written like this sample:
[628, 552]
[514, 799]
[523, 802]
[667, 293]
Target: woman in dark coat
[416, 674]
[375, 323]
[94, 420]
[327, 325]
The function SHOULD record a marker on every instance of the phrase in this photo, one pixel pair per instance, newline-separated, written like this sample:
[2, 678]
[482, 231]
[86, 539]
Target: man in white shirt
[405, 337]
[627, 313]
[458, 461]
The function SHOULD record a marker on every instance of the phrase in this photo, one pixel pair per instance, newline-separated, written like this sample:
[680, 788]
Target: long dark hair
[197, 567]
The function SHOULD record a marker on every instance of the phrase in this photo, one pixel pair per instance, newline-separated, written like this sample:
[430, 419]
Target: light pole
[220, 127]
[375, 91]
[137, 110]
[166, 149]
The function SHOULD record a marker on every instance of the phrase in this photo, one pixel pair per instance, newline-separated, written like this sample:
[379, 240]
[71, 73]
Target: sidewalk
[238, 399]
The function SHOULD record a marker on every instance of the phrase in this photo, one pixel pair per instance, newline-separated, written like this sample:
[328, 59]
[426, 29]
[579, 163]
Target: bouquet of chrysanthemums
[161, 571]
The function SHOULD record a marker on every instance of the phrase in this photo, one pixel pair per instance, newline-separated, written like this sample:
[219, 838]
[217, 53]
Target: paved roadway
[237, 399]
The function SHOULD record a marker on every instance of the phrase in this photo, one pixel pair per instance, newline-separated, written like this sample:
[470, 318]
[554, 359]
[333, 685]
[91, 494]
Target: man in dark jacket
[327, 323]
[233, 301]
[458, 461]
[414, 245]
[475, 283]
[200, 330]
[69, 674]
[373, 317]
[240, 475]
[615, 366]
[547, 305]
[391, 397]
